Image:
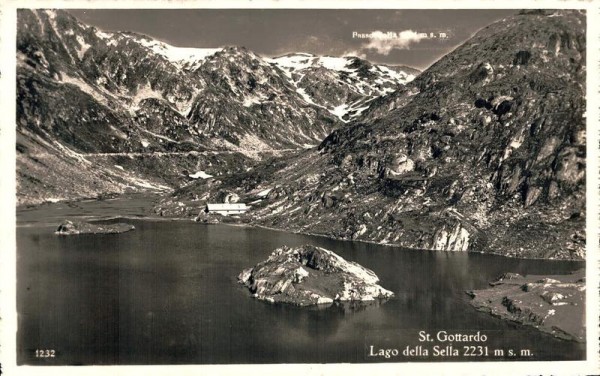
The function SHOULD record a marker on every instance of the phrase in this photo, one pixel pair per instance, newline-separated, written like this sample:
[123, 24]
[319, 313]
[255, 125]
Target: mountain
[342, 85]
[110, 112]
[82, 97]
[484, 151]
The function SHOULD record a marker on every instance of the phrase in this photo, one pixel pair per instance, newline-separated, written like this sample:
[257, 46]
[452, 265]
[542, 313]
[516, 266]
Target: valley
[84, 93]
[480, 152]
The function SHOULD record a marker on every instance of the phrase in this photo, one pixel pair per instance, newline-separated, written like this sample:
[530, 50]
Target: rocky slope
[119, 111]
[553, 304]
[484, 151]
[82, 100]
[310, 275]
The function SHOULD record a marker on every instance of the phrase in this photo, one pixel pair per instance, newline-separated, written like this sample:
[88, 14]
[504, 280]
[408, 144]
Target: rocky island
[309, 275]
[553, 304]
[77, 228]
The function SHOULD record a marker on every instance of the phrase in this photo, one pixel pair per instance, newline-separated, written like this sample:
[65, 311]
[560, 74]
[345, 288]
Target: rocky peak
[517, 46]
[344, 86]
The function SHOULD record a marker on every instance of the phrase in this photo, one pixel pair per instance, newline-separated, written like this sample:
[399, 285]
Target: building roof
[215, 207]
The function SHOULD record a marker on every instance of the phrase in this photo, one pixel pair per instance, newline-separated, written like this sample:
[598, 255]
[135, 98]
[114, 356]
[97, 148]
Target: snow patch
[200, 174]
[103, 35]
[295, 66]
[157, 135]
[51, 14]
[253, 99]
[305, 96]
[84, 46]
[188, 57]
[400, 77]
[340, 110]
[293, 62]
[335, 63]
[147, 184]
[264, 193]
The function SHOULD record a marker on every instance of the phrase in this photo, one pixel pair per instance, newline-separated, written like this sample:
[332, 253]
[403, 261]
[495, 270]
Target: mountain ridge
[130, 94]
[484, 151]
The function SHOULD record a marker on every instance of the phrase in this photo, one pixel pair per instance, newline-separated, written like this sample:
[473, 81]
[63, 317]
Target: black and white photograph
[301, 185]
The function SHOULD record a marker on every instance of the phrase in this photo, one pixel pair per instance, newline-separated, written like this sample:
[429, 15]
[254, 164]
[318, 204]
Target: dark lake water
[167, 293]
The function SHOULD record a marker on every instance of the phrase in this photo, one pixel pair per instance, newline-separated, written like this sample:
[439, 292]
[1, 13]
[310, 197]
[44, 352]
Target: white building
[226, 209]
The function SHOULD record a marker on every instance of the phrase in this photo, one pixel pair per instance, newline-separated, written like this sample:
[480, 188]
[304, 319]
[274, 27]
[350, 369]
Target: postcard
[300, 187]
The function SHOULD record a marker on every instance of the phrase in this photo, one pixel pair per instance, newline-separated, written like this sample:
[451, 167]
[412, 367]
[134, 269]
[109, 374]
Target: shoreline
[239, 223]
[411, 249]
[553, 304]
[107, 197]
[250, 225]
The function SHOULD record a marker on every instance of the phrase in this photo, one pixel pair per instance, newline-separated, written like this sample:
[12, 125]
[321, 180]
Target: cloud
[383, 43]
[355, 53]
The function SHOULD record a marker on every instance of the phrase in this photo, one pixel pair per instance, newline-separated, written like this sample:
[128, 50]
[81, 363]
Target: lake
[167, 293]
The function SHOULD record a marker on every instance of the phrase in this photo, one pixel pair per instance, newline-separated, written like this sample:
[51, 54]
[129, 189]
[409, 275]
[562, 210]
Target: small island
[310, 275]
[77, 228]
[553, 304]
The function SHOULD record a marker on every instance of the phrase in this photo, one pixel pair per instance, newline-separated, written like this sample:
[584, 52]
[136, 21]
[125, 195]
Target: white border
[8, 323]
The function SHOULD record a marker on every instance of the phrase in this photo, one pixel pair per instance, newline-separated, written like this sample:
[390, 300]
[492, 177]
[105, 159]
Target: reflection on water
[356, 306]
[134, 205]
[167, 293]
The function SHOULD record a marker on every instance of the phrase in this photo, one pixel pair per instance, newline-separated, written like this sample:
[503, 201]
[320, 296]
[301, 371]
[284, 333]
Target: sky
[415, 38]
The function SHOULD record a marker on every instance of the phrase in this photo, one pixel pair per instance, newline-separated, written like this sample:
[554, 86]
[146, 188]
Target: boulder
[400, 165]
